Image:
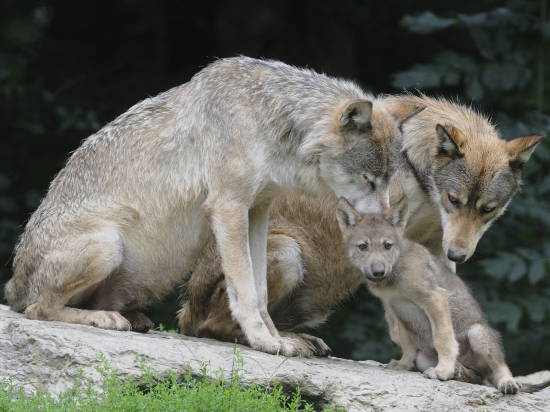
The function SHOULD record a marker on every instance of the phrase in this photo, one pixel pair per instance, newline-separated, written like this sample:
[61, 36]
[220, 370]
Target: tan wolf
[430, 311]
[129, 215]
[458, 176]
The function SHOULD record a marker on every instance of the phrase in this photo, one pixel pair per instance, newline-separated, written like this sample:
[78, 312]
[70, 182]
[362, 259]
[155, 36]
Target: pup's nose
[456, 257]
[378, 271]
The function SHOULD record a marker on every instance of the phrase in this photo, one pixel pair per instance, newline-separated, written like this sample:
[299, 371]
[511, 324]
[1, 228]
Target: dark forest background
[68, 67]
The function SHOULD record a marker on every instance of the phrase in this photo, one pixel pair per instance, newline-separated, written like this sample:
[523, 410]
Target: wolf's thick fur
[430, 311]
[129, 215]
[450, 152]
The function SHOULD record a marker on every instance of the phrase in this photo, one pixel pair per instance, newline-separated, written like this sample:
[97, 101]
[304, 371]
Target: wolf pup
[130, 213]
[458, 176]
[430, 311]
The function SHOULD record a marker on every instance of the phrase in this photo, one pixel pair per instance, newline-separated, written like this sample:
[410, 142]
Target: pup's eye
[487, 209]
[362, 247]
[387, 246]
[454, 201]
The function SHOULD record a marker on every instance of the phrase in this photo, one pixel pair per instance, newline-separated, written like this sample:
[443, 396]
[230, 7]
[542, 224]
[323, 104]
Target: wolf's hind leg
[71, 269]
[485, 343]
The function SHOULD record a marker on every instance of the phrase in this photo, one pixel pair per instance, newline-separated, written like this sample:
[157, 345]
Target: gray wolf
[458, 176]
[130, 213]
[430, 311]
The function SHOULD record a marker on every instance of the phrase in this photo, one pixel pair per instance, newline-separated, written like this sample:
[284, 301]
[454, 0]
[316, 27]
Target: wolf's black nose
[378, 272]
[456, 257]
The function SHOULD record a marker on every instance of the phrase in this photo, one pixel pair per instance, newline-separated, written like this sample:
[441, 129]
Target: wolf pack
[274, 192]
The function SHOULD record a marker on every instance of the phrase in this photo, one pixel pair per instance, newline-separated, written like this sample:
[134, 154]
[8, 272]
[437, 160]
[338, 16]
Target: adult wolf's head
[475, 179]
[362, 153]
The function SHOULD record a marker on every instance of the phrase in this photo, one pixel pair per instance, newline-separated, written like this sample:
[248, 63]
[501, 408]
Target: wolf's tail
[527, 388]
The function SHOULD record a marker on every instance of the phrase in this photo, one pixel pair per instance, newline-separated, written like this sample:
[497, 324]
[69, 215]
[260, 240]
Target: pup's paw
[509, 385]
[107, 320]
[439, 373]
[401, 366]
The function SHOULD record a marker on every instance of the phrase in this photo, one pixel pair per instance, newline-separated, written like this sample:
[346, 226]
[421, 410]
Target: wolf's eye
[387, 245]
[362, 247]
[487, 209]
[454, 201]
[372, 185]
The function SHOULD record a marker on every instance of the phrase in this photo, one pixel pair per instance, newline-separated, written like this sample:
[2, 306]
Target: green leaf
[529, 254]
[497, 268]
[473, 86]
[536, 308]
[425, 23]
[420, 76]
[519, 269]
[537, 270]
[504, 312]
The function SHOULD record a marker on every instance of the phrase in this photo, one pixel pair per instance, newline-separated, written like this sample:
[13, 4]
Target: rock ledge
[50, 355]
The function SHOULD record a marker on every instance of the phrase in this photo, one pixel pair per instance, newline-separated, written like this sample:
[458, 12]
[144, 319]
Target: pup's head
[475, 176]
[362, 153]
[373, 241]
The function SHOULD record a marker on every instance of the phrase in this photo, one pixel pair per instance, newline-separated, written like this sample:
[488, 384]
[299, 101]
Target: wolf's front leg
[258, 224]
[258, 218]
[229, 220]
[436, 306]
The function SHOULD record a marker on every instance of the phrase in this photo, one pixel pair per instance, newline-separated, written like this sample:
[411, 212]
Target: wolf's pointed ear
[520, 149]
[357, 115]
[346, 214]
[399, 213]
[403, 110]
[450, 141]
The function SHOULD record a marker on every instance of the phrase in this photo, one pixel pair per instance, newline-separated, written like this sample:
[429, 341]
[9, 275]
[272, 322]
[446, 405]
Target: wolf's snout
[456, 256]
[378, 271]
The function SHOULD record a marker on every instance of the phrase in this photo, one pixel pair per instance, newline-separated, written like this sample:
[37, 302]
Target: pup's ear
[357, 115]
[450, 141]
[399, 213]
[404, 110]
[346, 214]
[520, 149]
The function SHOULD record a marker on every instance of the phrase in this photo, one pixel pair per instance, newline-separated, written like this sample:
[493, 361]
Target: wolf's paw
[283, 346]
[317, 346]
[401, 366]
[138, 321]
[107, 320]
[508, 385]
[439, 373]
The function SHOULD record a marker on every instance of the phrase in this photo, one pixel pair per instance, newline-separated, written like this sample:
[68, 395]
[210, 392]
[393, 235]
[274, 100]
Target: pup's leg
[436, 306]
[485, 343]
[71, 269]
[400, 335]
[229, 221]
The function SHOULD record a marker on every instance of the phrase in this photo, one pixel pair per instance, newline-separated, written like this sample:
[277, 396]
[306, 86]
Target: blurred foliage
[66, 68]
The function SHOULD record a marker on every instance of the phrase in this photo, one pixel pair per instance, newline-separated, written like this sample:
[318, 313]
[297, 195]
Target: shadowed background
[67, 68]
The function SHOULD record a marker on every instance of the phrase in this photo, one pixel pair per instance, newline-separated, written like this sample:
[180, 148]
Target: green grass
[149, 393]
